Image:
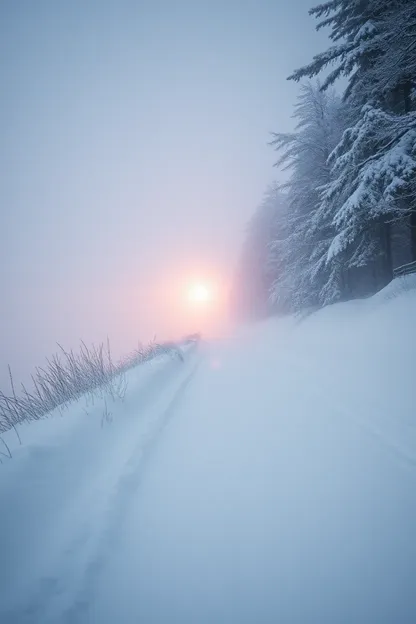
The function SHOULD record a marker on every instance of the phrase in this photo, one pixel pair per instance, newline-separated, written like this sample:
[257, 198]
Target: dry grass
[68, 376]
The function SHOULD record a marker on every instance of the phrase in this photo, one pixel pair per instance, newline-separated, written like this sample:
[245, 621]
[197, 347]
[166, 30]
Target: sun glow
[199, 293]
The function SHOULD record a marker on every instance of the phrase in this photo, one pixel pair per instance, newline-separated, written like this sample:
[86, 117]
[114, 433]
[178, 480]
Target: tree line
[346, 216]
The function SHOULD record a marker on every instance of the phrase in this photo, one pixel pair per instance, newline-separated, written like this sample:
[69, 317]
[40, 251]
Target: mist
[134, 149]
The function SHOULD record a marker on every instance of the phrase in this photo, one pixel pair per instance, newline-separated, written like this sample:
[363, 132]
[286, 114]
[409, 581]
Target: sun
[199, 293]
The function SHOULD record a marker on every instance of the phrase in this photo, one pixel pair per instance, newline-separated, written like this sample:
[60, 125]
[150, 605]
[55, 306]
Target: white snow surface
[269, 478]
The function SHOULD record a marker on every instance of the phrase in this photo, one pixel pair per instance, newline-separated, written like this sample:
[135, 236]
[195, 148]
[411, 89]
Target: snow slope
[271, 478]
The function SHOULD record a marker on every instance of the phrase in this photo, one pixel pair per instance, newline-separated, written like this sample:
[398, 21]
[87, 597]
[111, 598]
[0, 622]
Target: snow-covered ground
[268, 478]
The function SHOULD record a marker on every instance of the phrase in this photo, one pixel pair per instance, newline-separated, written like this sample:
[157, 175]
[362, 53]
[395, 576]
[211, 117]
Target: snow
[58, 490]
[270, 477]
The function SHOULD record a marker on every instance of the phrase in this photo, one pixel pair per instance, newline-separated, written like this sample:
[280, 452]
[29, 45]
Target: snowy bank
[362, 353]
[67, 474]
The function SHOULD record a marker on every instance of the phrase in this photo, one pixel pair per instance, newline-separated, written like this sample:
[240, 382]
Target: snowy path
[64, 493]
[267, 480]
[251, 512]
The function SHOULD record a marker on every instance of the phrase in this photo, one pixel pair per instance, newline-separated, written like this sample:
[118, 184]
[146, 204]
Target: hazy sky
[134, 148]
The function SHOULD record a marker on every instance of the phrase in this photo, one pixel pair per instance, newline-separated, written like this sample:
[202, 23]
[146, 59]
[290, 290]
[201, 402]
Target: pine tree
[374, 165]
[307, 280]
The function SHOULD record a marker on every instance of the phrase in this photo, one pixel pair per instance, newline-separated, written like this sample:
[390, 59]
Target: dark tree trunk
[413, 233]
[387, 253]
[407, 93]
[407, 90]
[345, 286]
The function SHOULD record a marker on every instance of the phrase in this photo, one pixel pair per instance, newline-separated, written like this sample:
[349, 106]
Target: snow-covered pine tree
[374, 165]
[308, 280]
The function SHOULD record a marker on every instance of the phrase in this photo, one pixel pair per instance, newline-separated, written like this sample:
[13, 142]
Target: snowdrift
[362, 352]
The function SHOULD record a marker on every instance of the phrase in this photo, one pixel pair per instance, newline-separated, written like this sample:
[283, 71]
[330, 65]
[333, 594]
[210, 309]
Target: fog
[134, 149]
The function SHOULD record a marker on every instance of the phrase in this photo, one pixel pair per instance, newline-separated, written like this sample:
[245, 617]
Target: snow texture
[268, 478]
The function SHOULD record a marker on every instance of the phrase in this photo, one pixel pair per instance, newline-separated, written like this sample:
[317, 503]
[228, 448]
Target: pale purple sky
[134, 144]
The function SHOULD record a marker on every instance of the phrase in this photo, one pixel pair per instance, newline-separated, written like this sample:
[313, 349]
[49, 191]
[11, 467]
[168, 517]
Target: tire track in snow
[66, 595]
[128, 486]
